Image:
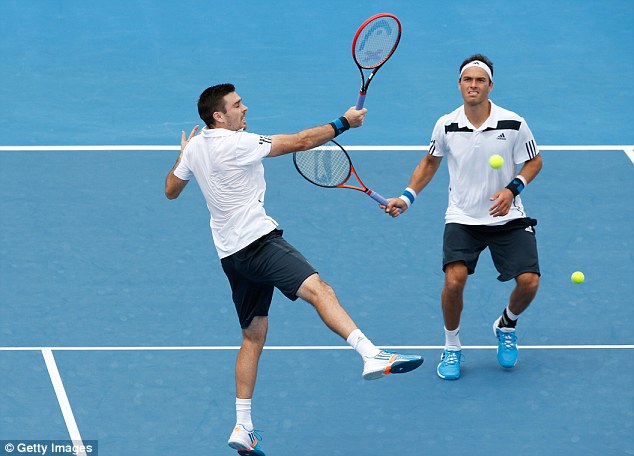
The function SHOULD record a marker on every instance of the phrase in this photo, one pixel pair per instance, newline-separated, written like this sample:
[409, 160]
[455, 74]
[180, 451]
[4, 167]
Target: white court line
[84, 148]
[62, 398]
[117, 148]
[629, 151]
[313, 347]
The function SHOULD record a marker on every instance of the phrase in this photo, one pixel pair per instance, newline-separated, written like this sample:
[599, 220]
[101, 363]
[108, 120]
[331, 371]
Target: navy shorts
[513, 246]
[267, 263]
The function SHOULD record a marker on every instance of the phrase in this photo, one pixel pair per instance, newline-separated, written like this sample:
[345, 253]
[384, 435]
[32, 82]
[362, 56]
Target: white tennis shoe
[246, 442]
[387, 362]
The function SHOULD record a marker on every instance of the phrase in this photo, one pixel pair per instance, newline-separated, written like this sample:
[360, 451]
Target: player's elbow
[171, 194]
[174, 186]
[172, 191]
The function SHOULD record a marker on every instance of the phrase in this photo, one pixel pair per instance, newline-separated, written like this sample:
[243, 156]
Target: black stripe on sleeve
[531, 149]
[432, 147]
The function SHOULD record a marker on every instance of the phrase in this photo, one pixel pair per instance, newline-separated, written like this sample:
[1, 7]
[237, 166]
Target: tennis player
[226, 161]
[485, 208]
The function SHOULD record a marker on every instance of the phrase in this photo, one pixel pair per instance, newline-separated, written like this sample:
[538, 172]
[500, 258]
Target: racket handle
[360, 100]
[378, 198]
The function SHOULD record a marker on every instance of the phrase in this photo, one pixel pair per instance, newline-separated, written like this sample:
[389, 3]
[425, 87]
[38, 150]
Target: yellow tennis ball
[496, 161]
[577, 277]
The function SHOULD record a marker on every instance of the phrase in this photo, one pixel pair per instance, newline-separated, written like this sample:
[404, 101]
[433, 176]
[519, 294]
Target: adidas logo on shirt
[502, 137]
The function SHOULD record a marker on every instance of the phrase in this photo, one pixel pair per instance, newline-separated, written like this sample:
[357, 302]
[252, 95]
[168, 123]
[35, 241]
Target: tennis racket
[330, 166]
[375, 42]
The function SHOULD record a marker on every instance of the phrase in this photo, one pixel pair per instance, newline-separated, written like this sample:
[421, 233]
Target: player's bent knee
[456, 271]
[455, 280]
[314, 289]
[529, 282]
[310, 288]
[256, 331]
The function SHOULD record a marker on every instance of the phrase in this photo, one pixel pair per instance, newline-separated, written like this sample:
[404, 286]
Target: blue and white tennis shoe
[507, 345]
[449, 366]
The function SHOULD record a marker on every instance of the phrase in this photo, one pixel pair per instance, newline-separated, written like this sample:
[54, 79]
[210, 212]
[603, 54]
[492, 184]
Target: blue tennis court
[116, 320]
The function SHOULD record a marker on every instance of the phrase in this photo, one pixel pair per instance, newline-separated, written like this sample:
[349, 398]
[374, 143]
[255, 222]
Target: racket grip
[360, 100]
[378, 198]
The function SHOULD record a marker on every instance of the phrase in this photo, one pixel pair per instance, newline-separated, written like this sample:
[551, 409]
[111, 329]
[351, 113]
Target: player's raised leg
[377, 363]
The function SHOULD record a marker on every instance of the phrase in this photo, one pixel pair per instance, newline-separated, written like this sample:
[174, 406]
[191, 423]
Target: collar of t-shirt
[216, 132]
[491, 121]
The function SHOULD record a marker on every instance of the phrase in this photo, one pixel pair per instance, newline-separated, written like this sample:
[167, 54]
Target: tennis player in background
[485, 209]
[226, 161]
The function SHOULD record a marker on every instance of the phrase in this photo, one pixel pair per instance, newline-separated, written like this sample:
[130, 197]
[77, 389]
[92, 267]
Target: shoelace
[508, 339]
[451, 357]
[257, 435]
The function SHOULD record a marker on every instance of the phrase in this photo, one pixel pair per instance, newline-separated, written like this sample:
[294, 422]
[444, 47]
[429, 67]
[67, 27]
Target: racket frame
[343, 184]
[365, 83]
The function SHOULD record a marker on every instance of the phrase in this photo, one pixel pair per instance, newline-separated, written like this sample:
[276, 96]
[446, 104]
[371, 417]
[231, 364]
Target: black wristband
[516, 186]
[340, 125]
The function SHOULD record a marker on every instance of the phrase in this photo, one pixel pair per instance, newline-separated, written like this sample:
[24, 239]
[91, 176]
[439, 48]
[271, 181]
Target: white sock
[243, 413]
[510, 314]
[362, 344]
[452, 339]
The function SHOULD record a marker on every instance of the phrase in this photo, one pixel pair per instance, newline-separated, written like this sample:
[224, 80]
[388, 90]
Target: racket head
[328, 165]
[376, 40]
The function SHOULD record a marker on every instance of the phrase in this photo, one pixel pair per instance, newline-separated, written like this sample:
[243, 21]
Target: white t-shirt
[472, 181]
[228, 168]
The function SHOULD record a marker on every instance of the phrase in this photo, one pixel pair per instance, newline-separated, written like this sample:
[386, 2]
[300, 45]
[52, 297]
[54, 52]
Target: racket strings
[376, 42]
[325, 167]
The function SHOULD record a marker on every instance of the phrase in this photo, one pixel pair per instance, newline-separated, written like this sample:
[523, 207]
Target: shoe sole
[507, 367]
[399, 367]
[446, 377]
[243, 451]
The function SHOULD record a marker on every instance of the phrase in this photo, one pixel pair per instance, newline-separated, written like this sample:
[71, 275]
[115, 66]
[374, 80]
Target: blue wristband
[340, 125]
[409, 195]
[516, 186]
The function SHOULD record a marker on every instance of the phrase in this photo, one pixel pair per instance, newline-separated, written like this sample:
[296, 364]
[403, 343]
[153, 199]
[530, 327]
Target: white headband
[479, 64]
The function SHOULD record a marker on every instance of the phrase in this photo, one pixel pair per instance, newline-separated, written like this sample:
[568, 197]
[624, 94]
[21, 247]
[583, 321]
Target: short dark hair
[481, 58]
[212, 100]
